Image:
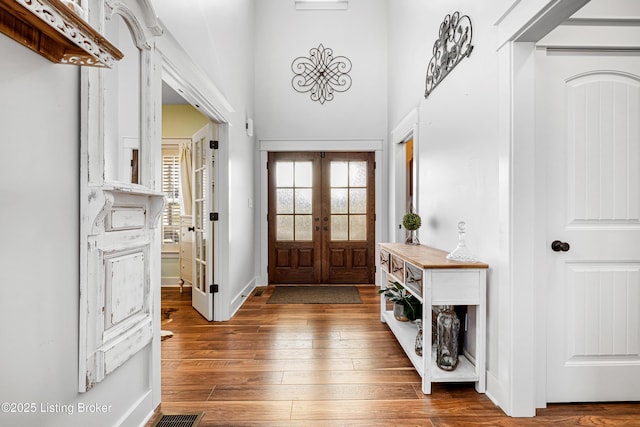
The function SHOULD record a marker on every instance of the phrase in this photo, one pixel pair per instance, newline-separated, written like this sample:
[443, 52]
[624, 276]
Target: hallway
[321, 365]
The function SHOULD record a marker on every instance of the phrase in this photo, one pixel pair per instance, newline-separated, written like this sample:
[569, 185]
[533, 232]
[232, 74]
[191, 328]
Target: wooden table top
[427, 257]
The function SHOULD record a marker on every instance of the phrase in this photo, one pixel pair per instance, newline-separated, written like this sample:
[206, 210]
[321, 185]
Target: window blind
[171, 190]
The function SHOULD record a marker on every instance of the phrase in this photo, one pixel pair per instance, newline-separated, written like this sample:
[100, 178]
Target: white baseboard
[138, 415]
[170, 281]
[240, 298]
[175, 285]
[496, 392]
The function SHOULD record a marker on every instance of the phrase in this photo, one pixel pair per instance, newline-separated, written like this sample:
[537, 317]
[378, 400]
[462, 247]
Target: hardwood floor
[322, 365]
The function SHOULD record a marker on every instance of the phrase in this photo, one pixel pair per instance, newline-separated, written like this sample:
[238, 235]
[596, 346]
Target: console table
[434, 280]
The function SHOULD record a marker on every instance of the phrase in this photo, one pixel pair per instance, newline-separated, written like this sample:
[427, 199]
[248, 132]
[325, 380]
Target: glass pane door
[321, 218]
[202, 196]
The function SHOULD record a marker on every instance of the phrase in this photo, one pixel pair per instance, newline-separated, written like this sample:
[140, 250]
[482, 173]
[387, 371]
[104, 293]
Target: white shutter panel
[171, 190]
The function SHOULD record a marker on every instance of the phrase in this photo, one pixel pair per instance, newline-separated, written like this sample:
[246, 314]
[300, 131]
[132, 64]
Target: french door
[203, 161]
[321, 218]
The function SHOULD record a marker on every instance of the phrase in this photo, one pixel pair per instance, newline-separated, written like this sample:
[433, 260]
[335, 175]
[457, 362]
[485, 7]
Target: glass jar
[448, 330]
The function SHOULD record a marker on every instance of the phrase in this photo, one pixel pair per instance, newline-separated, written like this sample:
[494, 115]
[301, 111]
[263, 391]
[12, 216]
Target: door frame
[518, 383]
[571, 44]
[327, 145]
[180, 72]
[197, 97]
[406, 129]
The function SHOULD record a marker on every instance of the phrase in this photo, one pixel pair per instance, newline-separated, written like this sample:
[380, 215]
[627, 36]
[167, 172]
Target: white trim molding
[519, 28]
[320, 145]
[322, 4]
[407, 128]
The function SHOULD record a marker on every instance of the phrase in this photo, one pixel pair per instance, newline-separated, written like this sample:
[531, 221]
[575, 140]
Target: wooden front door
[321, 218]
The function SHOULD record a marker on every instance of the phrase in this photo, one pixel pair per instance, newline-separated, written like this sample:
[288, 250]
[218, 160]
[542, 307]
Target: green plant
[411, 221]
[396, 293]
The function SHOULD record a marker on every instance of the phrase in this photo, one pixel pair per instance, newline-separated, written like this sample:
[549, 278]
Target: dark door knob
[558, 246]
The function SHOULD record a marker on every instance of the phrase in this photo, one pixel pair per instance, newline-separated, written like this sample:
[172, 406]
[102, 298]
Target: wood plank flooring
[323, 365]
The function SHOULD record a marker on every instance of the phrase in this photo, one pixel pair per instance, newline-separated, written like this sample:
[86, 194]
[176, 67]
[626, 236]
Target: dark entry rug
[315, 295]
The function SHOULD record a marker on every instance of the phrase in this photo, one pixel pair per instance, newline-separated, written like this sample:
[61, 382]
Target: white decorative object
[461, 252]
[119, 236]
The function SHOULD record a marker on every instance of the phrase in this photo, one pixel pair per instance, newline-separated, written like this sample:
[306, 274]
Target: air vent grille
[178, 420]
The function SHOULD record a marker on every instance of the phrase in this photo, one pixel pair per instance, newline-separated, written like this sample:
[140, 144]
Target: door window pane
[198, 182]
[339, 201]
[284, 201]
[284, 174]
[357, 227]
[339, 174]
[303, 174]
[284, 227]
[357, 174]
[358, 200]
[303, 201]
[196, 277]
[339, 227]
[198, 248]
[303, 228]
[198, 214]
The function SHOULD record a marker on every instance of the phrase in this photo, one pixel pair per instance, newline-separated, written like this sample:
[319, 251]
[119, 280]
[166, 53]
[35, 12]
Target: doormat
[315, 295]
[178, 420]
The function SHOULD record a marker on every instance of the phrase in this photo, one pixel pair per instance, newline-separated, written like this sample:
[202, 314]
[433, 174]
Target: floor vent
[259, 293]
[178, 420]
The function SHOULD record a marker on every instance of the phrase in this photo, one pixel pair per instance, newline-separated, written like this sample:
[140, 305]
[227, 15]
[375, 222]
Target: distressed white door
[203, 181]
[589, 115]
[120, 201]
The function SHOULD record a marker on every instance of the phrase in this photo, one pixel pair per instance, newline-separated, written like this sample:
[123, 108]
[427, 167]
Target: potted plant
[406, 307]
[411, 221]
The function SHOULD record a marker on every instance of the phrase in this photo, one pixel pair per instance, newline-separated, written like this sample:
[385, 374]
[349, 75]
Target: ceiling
[171, 97]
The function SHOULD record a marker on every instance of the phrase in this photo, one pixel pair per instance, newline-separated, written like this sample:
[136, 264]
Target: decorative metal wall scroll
[452, 45]
[321, 73]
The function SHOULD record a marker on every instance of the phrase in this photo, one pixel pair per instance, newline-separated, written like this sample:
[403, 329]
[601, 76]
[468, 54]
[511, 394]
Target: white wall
[476, 159]
[219, 35]
[458, 134]
[39, 254]
[283, 114]
[283, 34]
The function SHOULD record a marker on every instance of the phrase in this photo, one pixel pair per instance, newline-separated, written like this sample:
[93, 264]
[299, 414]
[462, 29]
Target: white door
[588, 111]
[202, 191]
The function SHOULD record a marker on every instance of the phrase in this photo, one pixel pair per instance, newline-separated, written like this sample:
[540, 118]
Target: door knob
[558, 246]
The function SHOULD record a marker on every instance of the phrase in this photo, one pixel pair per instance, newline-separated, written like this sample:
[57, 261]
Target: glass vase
[448, 330]
[418, 346]
[412, 238]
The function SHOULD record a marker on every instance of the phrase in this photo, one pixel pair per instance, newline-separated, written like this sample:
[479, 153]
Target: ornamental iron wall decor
[452, 45]
[321, 73]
